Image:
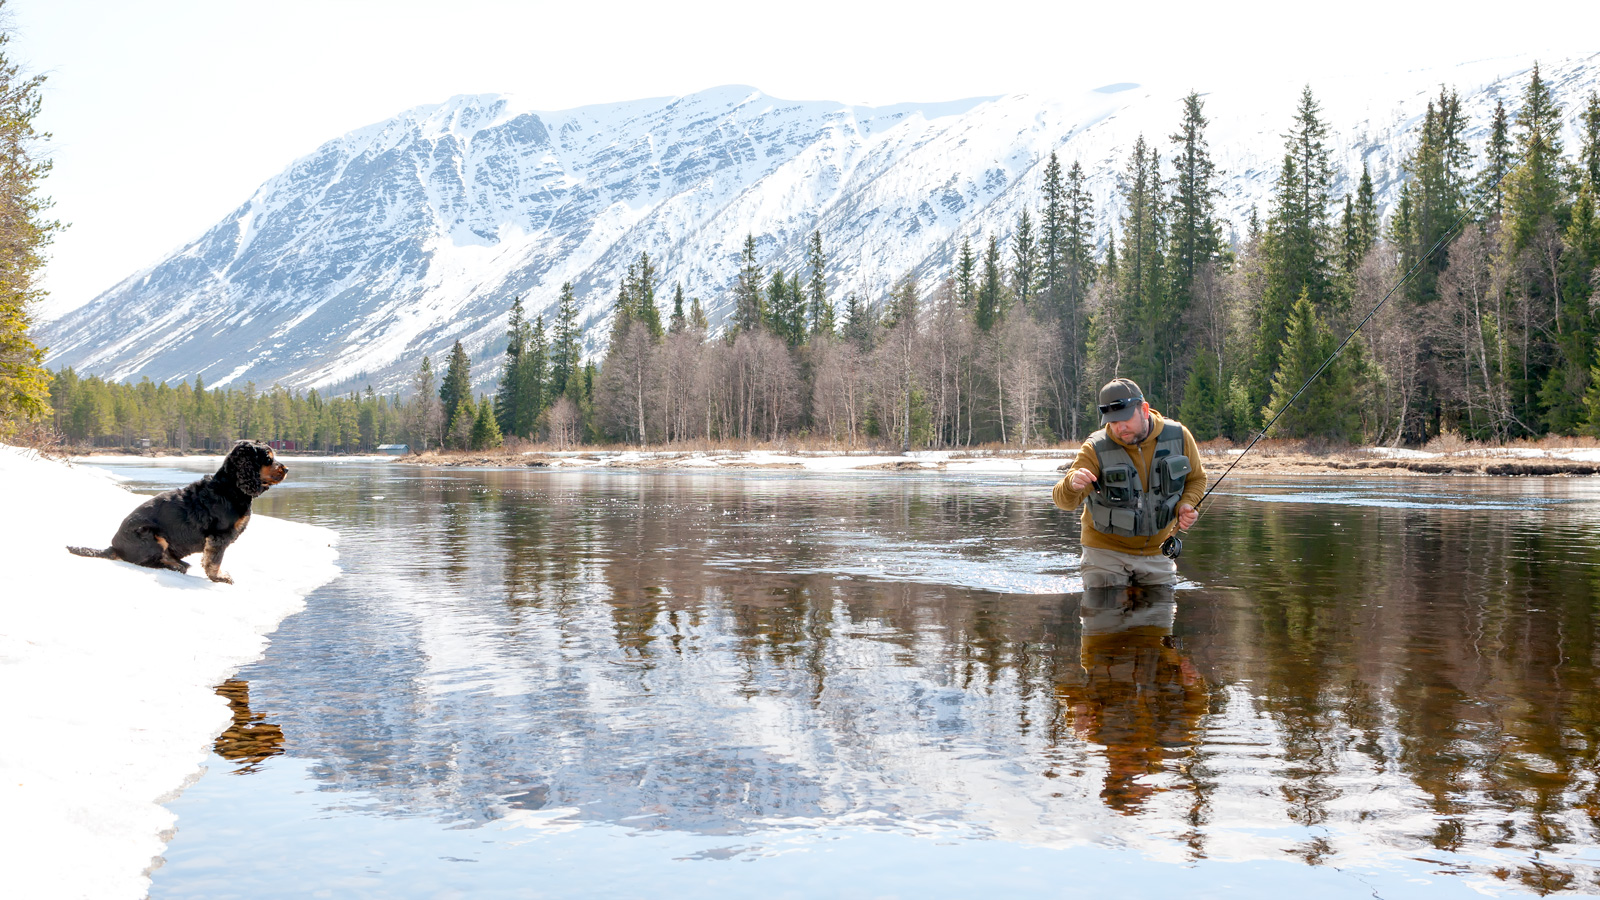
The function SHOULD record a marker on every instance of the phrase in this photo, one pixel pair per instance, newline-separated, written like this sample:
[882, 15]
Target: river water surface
[619, 684]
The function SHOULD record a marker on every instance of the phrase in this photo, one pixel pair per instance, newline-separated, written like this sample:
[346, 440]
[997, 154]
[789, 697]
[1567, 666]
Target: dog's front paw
[221, 577]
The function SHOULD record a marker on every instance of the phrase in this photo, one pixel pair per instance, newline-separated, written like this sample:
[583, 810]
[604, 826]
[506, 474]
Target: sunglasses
[1119, 405]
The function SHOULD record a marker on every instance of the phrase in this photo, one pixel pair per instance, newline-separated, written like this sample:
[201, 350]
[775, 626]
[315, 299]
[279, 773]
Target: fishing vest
[1119, 503]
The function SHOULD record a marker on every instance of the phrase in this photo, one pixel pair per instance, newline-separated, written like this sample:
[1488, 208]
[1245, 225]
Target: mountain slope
[397, 239]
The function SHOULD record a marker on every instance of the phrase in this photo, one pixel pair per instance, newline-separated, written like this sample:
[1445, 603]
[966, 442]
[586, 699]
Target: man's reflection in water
[1140, 698]
[248, 740]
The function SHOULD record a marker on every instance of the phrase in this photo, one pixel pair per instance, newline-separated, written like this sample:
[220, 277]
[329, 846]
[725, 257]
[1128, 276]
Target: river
[632, 684]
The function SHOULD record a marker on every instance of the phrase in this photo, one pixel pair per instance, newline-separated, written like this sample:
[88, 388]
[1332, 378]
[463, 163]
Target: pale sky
[167, 114]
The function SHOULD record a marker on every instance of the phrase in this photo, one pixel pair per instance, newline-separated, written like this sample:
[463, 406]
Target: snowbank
[948, 461]
[107, 673]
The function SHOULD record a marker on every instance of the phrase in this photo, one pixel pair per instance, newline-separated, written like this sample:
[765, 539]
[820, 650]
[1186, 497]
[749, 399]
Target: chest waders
[1120, 503]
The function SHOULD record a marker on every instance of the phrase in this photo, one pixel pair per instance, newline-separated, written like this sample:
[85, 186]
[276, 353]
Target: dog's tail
[107, 553]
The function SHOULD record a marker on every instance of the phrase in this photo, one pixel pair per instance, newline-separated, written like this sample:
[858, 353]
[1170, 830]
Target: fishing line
[1173, 546]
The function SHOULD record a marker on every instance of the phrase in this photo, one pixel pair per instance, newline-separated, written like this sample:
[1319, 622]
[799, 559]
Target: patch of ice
[1401, 453]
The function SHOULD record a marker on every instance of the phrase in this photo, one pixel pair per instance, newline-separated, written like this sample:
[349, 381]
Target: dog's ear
[240, 468]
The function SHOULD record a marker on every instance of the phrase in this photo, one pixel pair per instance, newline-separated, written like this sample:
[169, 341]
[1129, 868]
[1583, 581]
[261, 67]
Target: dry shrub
[1447, 442]
[39, 435]
[1559, 442]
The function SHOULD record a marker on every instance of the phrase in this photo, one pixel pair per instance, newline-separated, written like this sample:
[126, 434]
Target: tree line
[1492, 337]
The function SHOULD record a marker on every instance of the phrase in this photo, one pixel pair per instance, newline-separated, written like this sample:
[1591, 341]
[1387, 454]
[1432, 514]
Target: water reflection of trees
[686, 649]
[1455, 647]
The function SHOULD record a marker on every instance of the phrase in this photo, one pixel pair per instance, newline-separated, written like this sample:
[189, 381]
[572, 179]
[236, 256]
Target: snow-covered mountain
[397, 239]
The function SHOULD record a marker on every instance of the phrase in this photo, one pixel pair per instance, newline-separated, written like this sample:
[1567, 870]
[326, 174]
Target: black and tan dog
[207, 515]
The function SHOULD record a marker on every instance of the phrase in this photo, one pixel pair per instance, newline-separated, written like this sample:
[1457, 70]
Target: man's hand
[1080, 479]
[1186, 516]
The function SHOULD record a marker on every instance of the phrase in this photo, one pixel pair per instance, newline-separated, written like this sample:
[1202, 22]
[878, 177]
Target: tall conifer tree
[750, 308]
[1533, 188]
[679, 321]
[1297, 241]
[456, 388]
[1196, 237]
[966, 275]
[1024, 260]
[565, 349]
[991, 288]
[1496, 164]
[819, 310]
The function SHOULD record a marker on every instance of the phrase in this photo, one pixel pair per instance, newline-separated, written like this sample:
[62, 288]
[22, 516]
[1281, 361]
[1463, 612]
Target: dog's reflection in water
[248, 740]
[1137, 695]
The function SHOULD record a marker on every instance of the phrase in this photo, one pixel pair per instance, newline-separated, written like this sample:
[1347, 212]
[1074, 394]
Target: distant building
[283, 445]
[394, 449]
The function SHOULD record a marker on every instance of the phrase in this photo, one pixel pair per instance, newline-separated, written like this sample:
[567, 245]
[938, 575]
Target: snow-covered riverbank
[1271, 458]
[107, 673]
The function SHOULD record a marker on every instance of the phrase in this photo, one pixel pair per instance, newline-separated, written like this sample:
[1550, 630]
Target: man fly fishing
[1142, 479]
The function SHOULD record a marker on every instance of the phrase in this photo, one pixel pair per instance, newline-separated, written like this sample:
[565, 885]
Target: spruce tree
[509, 402]
[1589, 155]
[1196, 237]
[678, 322]
[1145, 320]
[532, 376]
[1078, 252]
[1496, 164]
[749, 309]
[1328, 408]
[819, 311]
[459, 435]
[565, 349]
[1077, 268]
[990, 288]
[624, 309]
[1350, 239]
[456, 388]
[966, 275]
[1296, 241]
[1535, 203]
[1052, 235]
[786, 304]
[644, 295]
[1437, 188]
[485, 429]
[1366, 212]
[860, 322]
[1024, 260]
[1204, 408]
[1565, 388]
[1533, 188]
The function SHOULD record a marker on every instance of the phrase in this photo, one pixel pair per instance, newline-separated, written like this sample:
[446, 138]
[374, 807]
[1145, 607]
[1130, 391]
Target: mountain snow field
[107, 675]
[401, 237]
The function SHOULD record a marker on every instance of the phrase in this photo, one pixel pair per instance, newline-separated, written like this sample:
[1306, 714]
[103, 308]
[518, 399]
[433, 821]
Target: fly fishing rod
[1173, 545]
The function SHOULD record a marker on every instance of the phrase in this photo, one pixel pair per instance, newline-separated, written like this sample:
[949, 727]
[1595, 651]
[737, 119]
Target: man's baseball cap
[1120, 399]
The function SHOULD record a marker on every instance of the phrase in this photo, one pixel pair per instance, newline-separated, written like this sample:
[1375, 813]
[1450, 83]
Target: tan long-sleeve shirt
[1194, 486]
